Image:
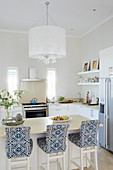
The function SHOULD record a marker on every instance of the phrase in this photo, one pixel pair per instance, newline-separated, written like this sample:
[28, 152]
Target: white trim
[73, 36]
[13, 31]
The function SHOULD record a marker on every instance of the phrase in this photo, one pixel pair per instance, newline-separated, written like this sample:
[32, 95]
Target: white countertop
[38, 125]
[76, 103]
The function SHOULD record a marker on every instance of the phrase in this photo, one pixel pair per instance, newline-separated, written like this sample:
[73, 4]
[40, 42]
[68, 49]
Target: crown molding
[72, 36]
[68, 36]
[13, 31]
[97, 26]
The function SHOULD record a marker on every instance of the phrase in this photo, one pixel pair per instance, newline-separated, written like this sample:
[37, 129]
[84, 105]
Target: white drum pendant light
[47, 43]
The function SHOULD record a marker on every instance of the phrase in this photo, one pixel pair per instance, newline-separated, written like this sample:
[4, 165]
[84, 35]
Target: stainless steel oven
[35, 110]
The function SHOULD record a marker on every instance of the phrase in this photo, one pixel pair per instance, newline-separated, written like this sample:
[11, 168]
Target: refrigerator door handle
[106, 115]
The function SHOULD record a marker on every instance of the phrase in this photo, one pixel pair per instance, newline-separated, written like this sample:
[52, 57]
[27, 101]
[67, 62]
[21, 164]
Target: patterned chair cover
[55, 140]
[88, 134]
[18, 143]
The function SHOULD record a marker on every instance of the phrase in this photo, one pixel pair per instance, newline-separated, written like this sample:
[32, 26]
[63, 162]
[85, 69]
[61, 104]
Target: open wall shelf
[88, 72]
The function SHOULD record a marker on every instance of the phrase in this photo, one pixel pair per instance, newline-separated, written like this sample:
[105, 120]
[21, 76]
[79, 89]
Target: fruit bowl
[61, 119]
[66, 101]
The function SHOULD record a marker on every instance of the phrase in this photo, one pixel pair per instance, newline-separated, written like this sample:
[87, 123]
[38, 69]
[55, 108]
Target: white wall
[14, 53]
[91, 44]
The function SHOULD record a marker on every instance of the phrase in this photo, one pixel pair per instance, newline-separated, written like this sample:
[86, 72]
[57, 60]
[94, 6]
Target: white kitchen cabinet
[84, 111]
[73, 109]
[52, 110]
[94, 114]
[64, 109]
[89, 113]
[61, 109]
[58, 109]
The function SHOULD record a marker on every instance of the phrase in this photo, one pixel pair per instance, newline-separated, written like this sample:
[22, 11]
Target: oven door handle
[26, 109]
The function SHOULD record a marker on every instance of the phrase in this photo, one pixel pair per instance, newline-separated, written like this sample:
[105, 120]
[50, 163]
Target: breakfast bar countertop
[38, 125]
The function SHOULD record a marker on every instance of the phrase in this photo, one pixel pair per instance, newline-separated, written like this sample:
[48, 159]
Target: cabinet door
[73, 109]
[61, 109]
[52, 110]
[85, 111]
[94, 114]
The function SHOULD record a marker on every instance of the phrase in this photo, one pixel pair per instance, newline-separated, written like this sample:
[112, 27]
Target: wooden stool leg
[47, 161]
[81, 159]
[96, 163]
[87, 155]
[28, 163]
[69, 155]
[39, 158]
[9, 164]
[64, 161]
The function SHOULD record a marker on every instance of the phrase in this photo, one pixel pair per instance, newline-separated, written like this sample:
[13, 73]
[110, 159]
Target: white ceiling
[76, 16]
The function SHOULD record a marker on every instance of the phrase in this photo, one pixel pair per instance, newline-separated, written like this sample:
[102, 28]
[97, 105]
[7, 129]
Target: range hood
[31, 80]
[33, 75]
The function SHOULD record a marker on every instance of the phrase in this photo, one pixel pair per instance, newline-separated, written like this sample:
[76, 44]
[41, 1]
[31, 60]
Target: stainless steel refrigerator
[106, 98]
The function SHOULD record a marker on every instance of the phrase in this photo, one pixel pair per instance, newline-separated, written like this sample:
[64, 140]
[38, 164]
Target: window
[12, 75]
[51, 80]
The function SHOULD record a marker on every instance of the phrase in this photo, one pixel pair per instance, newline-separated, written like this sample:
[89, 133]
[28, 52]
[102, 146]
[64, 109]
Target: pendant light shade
[47, 42]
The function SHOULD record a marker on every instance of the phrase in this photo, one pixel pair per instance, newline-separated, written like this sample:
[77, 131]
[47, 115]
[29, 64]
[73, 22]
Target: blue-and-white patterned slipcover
[55, 140]
[18, 142]
[88, 134]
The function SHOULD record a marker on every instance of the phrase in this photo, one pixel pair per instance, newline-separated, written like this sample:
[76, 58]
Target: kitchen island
[38, 129]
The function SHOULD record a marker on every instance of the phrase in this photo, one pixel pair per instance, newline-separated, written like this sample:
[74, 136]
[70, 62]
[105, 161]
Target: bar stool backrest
[18, 142]
[56, 138]
[88, 133]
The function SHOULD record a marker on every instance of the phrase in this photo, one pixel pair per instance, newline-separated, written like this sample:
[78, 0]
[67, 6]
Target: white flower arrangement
[7, 100]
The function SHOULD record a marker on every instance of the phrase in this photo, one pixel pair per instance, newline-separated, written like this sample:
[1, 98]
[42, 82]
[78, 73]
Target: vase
[7, 113]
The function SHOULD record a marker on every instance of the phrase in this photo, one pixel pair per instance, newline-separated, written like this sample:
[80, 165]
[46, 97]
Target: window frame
[49, 69]
[13, 68]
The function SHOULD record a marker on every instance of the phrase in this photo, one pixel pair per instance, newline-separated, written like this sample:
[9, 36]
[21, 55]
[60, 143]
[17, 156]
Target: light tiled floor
[105, 160]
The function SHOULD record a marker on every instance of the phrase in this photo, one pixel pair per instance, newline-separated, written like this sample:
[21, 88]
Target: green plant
[7, 100]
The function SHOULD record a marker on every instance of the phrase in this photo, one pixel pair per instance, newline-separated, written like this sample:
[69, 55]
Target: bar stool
[54, 144]
[18, 146]
[86, 140]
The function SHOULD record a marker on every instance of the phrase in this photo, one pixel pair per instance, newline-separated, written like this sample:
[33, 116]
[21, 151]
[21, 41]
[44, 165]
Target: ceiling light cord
[47, 4]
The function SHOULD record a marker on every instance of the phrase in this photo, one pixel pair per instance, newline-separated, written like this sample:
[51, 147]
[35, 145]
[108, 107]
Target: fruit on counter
[58, 118]
[66, 101]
